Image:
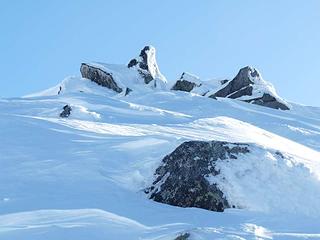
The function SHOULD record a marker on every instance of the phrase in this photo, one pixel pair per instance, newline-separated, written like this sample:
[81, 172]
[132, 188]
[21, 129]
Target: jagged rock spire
[147, 66]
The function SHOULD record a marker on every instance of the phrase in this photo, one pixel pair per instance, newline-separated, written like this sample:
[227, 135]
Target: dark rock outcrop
[66, 111]
[182, 177]
[146, 65]
[142, 65]
[240, 82]
[242, 85]
[183, 236]
[100, 77]
[269, 101]
[184, 85]
[128, 90]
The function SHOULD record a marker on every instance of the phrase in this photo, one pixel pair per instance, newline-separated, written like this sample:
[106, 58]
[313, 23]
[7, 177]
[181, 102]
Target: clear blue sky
[42, 42]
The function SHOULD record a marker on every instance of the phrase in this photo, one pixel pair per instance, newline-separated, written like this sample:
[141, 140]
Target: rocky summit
[147, 66]
[247, 85]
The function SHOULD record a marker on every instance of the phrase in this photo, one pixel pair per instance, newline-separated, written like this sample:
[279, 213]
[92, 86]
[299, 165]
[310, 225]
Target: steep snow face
[267, 180]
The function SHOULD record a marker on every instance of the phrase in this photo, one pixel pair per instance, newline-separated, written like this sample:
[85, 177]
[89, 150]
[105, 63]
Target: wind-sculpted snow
[99, 159]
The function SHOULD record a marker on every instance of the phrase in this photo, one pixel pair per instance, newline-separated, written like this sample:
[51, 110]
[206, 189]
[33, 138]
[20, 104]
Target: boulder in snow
[66, 111]
[186, 83]
[181, 180]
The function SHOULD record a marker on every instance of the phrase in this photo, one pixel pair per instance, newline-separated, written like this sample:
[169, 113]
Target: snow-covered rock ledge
[216, 175]
[247, 86]
[142, 70]
[99, 76]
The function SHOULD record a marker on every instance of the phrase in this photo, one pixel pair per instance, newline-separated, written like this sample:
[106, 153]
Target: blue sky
[44, 41]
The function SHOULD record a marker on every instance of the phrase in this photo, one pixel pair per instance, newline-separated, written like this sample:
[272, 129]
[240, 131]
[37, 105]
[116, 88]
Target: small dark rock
[224, 81]
[183, 85]
[128, 90]
[183, 236]
[133, 62]
[66, 111]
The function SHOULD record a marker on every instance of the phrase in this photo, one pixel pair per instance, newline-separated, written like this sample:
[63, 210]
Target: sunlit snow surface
[82, 177]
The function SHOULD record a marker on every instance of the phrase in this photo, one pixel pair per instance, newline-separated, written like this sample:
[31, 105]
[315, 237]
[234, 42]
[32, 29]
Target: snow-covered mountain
[127, 138]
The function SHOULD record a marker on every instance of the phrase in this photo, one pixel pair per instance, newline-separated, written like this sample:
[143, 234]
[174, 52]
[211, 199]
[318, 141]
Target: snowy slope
[82, 177]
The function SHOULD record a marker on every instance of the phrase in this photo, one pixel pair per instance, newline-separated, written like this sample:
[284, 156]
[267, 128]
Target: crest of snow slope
[83, 162]
[123, 76]
[73, 85]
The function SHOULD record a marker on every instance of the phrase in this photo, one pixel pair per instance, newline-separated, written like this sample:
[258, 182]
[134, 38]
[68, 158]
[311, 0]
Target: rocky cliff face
[181, 180]
[99, 76]
[121, 78]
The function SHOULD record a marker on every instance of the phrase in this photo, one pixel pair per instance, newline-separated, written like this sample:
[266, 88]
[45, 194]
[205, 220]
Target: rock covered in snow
[249, 86]
[192, 83]
[124, 78]
[181, 180]
[186, 83]
[66, 111]
[99, 76]
[147, 66]
[268, 100]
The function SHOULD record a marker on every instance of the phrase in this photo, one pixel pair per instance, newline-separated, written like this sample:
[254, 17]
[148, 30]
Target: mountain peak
[249, 86]
[250, 71]
[246, 75]
[147, 66]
